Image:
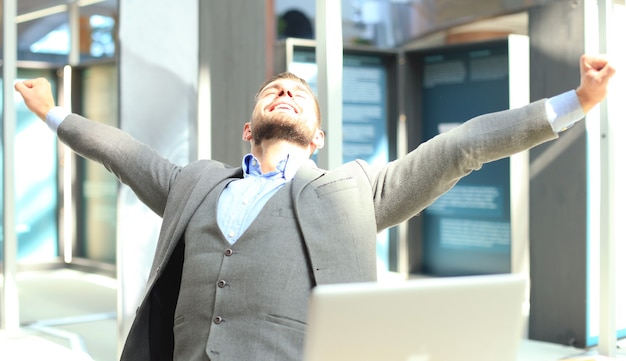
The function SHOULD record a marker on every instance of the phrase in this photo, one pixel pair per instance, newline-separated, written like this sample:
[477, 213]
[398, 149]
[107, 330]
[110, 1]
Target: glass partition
[35, 182]
[47, 32]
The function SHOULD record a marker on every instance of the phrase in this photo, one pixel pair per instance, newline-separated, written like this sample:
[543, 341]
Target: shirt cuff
[564, 110]
[55, 117]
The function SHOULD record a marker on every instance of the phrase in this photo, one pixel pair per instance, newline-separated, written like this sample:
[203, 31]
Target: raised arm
[595, 72]
[37, 94]
[134, 163]
[408, 185]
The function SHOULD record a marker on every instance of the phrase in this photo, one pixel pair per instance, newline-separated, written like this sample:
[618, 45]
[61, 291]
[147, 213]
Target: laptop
[428, 319]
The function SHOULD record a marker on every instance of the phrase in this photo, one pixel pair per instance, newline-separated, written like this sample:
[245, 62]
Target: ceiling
[410, 19]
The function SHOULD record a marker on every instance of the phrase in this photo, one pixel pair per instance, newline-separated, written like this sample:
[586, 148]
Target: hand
[37, 94]
[595, 72]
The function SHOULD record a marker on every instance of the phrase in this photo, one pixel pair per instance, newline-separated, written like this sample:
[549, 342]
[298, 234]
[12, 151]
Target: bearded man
[241, 248]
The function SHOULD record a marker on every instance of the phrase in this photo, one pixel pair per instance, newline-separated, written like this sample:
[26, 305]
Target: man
[241, 248]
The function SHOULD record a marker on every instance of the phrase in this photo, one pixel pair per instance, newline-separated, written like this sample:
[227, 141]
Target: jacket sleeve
[406, 186]
[135, 164]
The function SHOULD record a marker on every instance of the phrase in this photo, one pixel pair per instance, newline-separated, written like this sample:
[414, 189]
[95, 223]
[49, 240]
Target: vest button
[221, 284]
[228, 252]
[218, 319]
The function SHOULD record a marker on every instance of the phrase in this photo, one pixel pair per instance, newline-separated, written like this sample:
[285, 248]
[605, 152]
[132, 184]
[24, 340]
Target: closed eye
[268, 93]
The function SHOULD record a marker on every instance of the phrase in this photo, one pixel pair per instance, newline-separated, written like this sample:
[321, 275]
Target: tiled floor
[65, 315]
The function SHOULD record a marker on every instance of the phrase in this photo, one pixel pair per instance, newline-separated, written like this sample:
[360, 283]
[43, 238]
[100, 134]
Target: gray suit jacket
[339, 211]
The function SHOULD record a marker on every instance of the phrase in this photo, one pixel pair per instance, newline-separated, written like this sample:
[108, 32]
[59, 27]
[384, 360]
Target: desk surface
[543, 351]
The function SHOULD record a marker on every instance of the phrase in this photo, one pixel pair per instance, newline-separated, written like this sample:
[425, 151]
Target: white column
[329, 58]
[602, 244]
[607, 340]
[158, 86]
[9, 304]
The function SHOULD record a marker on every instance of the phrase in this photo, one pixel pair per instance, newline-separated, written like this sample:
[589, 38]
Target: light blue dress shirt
[242, 199]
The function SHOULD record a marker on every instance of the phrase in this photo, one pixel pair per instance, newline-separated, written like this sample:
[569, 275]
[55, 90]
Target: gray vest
[246, 301]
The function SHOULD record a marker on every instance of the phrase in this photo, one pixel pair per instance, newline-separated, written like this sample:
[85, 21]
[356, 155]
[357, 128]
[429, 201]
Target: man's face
[285, 110]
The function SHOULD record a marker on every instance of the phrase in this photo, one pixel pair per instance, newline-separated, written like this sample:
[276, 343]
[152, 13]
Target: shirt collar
[284, 169]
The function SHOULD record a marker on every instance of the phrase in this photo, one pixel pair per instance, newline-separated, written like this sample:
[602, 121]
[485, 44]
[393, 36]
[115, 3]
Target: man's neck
[270, 152]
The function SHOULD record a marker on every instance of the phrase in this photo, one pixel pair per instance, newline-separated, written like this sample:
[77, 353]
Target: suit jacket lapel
[305, 175]
[175, 220]
[205, 184]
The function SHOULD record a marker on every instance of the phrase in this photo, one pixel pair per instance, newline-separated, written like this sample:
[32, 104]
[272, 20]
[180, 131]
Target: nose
[285, 92]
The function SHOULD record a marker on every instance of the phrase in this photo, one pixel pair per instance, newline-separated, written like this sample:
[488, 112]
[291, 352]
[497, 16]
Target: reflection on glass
[56, 42]
[102, 36]
[100, 42]
[44, 34]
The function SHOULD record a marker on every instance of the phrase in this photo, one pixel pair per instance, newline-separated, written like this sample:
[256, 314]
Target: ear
[318, 139]
[247, 133]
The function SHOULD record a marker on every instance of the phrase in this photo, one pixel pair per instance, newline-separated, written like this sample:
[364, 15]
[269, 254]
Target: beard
[281, 126]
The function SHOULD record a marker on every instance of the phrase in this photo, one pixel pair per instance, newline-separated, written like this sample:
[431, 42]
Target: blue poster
[467, 230]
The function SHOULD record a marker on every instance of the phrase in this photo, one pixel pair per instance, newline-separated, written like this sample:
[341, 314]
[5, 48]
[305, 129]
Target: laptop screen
[433, 319]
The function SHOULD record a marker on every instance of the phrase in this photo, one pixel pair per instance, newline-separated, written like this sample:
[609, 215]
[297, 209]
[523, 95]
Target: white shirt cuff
[564, 110]
[55, 117]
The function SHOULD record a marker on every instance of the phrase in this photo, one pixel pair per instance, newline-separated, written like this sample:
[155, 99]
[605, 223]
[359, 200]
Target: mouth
[283, 107]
